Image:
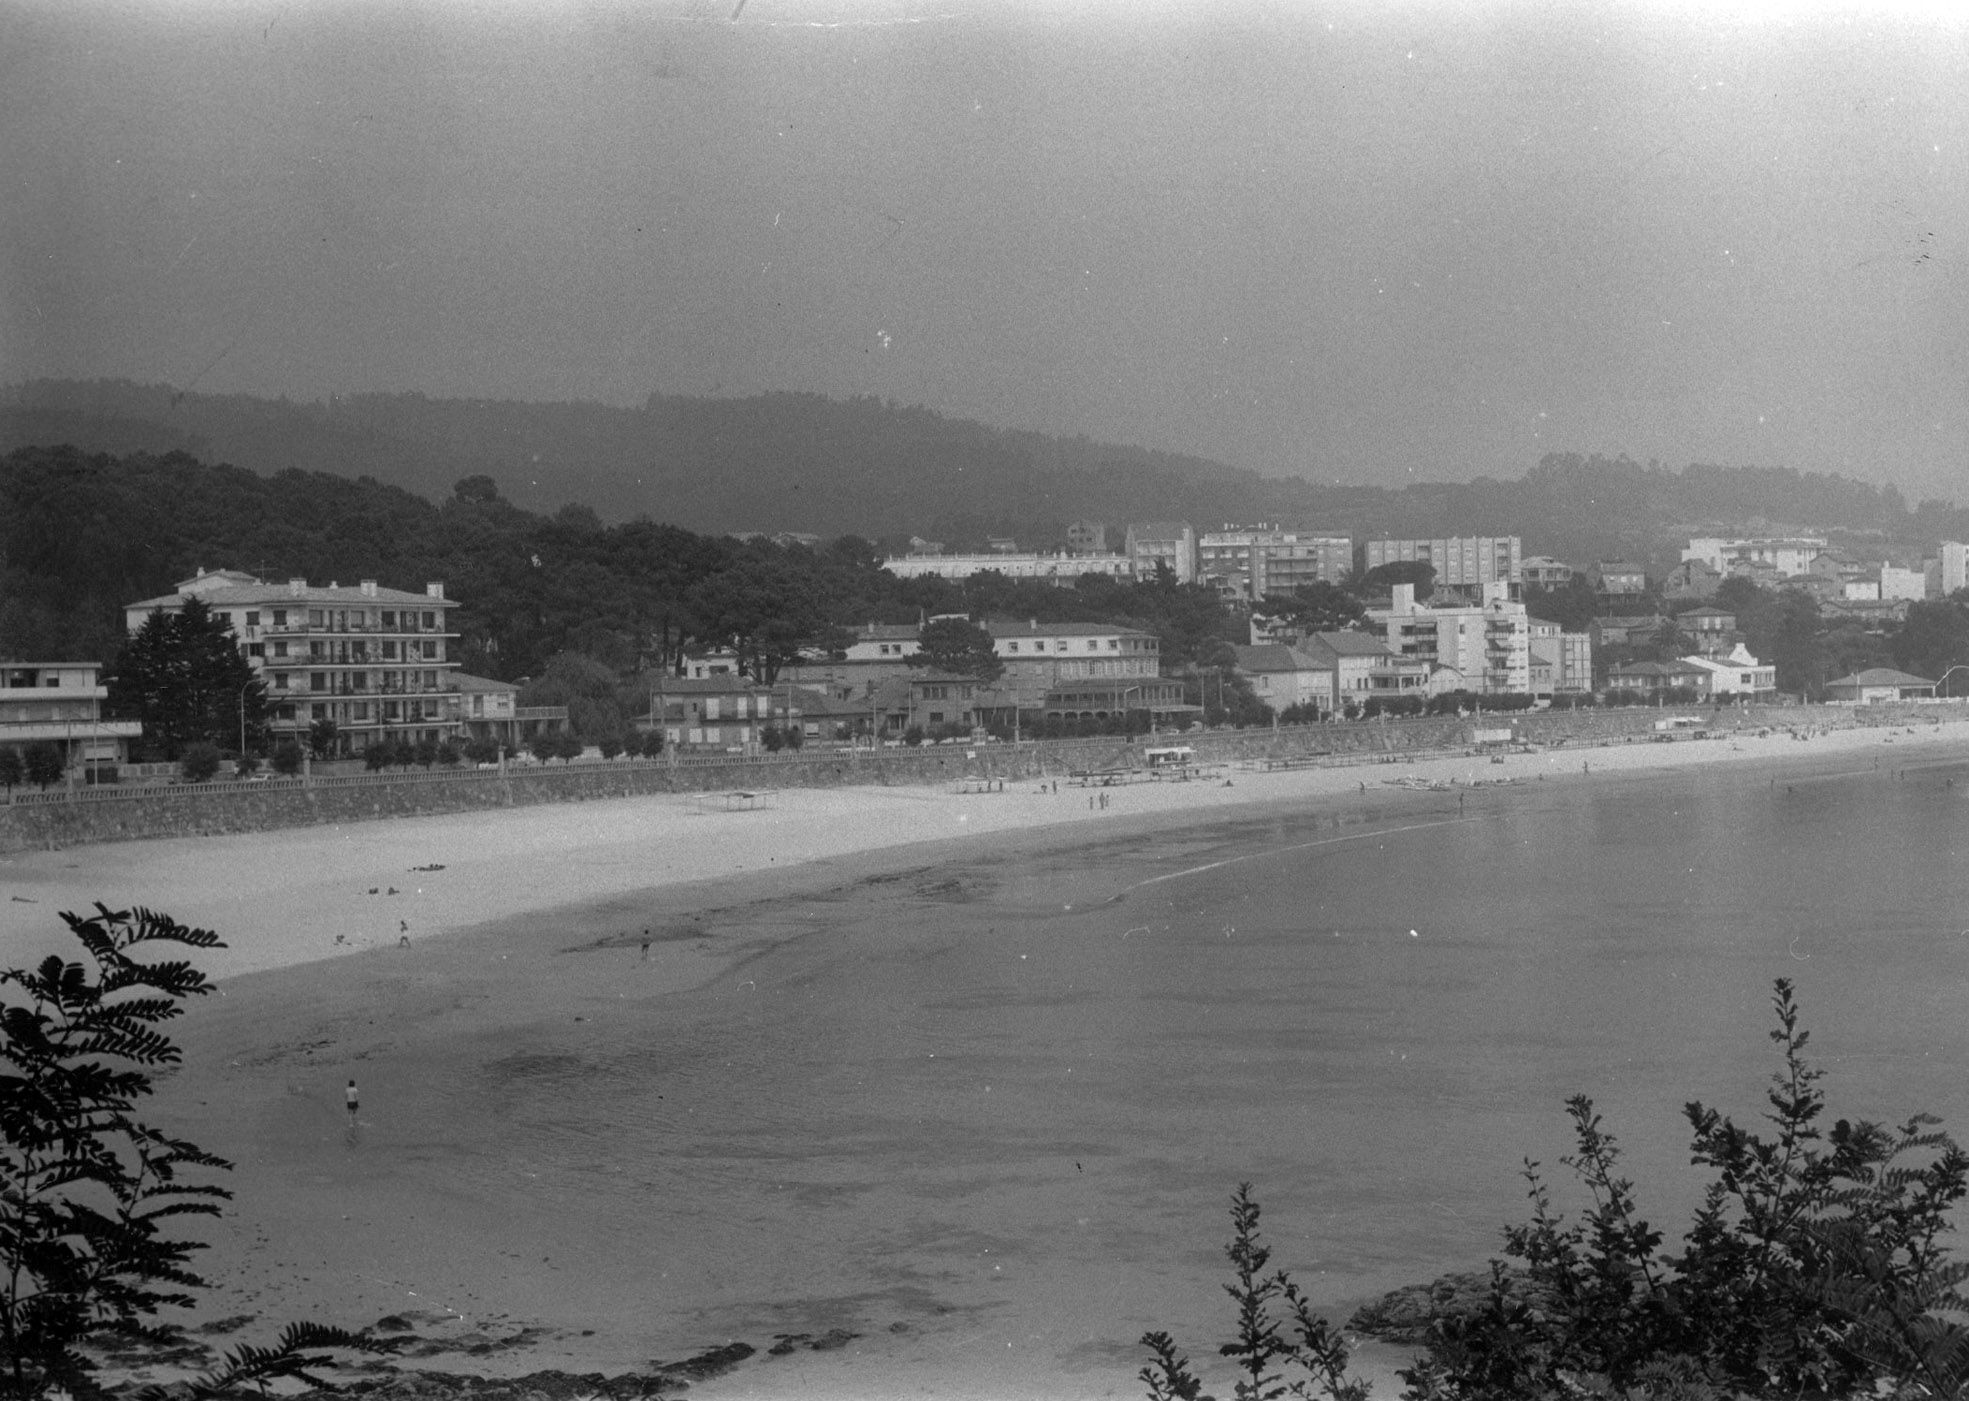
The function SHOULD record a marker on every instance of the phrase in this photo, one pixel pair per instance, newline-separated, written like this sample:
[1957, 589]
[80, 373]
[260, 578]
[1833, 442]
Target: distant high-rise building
[1464, 561]
[1171, 543]
[1955, 567]
[1261, 561]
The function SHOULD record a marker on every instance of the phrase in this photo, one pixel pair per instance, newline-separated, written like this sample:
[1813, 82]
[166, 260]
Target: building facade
[1786, 554]
[1488, 644]
[1953, 558]
[61, 703]
[1259, 561]
[1738, 676]
[1062, 569]
[376, 661]
[1463, 562]
[1285, 677]
[1559, 661]
[1170, 543]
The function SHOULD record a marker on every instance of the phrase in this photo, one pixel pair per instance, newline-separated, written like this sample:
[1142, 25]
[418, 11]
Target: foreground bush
[88, 1193]
[1815, 1267]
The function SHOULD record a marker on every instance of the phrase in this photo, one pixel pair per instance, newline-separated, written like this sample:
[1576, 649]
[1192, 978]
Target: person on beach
[350, 1096]
[646, 946]
[403, 933]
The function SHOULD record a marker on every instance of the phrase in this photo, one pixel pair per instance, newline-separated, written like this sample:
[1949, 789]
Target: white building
[1258, 561]
[1790, 555]
[60, 703]
[1487, 644]
[1560, 660]
[1463, 561]
[1054, 569]
[1955, 567]
[1738, 675]
[1895, 582]
[1171, 543]
[376, 661]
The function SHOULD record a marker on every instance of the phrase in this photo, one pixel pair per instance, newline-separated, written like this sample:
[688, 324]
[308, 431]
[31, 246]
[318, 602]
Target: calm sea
[1005, 1102]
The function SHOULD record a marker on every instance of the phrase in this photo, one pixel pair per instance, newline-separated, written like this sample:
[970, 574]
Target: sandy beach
[519, 920]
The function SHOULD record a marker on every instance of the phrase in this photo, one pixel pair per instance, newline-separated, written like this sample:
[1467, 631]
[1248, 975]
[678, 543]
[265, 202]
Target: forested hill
[806, 463]
[773, 462]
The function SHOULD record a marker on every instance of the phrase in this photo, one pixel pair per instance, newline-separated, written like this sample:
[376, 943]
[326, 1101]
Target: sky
[1367, 243]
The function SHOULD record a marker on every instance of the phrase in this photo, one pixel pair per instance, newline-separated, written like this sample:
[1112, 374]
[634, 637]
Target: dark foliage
[183, 676]
[92, 1193]
[1815, 1266]
[1276, 1334]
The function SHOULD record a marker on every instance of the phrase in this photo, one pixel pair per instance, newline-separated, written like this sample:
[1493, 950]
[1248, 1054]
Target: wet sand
[525, 964]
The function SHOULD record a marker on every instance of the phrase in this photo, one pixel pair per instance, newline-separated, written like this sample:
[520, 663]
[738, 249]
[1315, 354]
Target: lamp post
[1959, 666]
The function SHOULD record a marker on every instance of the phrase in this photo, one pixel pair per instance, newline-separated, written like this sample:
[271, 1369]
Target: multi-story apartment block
[1954, 571]
[1087, 538]
[1064, 570]
[376, 661]
[1260, 561]
[1487, 645]
[1171, 543]
[61, 703]
[1559, 660]
[1788, 554]
[1462, 562]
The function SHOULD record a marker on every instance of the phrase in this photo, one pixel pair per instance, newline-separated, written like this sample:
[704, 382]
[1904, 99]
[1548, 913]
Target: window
[280, 681]
[317, 681]
[317, 651]
[316, 618]
[280, 617]
[280, 649]
[430, 678]
[431, 652]
[1011, 646]
[256, 649]
[430, 620]
[362, 710]
[389, 618]
[389, 651]
[253, 617]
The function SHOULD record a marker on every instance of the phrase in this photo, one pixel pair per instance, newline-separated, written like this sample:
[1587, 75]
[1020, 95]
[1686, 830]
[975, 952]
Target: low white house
[1738, 675]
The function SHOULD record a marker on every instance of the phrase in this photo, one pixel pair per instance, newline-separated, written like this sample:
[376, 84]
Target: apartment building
[61, 703]
[376, 661]
[1559, 660]
[1062, 569]
[1954, 568]
[1487, 644]
[1464, 562]
[1170, 543]
[1787, 555]
[1258, 561]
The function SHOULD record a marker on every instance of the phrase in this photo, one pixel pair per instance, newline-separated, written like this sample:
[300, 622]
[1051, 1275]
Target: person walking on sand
[403, 933]
[350, 1095]
[646, 946]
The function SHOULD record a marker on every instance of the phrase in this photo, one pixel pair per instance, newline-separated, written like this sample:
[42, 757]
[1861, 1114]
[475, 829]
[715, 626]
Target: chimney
[369, 588]
[297, 587]
[434, 590]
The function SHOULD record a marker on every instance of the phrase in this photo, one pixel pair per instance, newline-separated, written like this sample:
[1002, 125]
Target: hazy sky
[1366, 242]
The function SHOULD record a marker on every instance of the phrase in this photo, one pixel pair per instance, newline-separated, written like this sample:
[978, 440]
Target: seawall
[41, 821]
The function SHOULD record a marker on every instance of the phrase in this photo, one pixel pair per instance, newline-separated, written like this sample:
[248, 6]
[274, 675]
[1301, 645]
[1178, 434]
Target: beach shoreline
[536, 916]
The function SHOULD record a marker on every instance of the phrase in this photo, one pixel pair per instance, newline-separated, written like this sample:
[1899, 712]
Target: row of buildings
[1258, 561]
[380, 663]
[1246, 562]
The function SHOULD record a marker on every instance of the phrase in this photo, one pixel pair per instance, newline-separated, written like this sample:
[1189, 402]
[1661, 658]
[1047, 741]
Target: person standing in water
[350, 1095]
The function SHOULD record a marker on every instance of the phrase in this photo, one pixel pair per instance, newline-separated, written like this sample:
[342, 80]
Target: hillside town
[1335, 630]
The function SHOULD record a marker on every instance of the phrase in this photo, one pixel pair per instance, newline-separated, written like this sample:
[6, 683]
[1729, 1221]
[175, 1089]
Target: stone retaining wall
[194, 810]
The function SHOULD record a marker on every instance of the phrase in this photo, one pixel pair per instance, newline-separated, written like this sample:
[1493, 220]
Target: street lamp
[1959, 666]
[242, 714]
